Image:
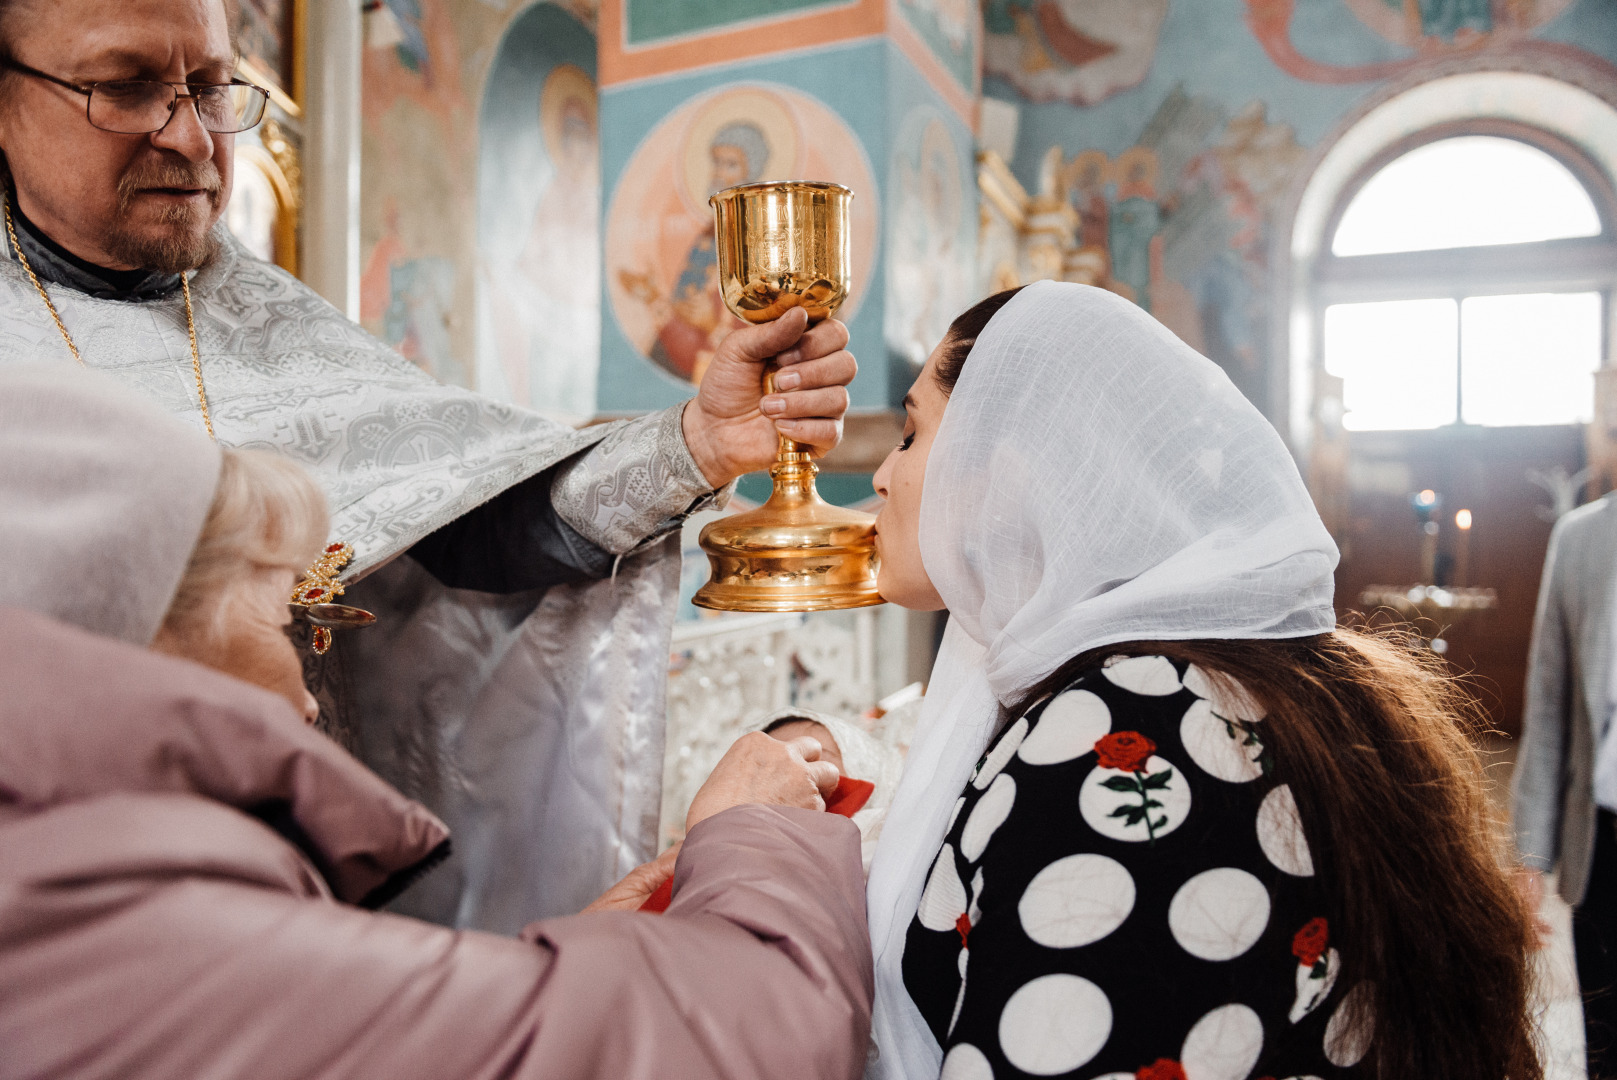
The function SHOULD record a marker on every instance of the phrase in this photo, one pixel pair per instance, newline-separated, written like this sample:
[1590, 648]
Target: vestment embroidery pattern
[632, 483]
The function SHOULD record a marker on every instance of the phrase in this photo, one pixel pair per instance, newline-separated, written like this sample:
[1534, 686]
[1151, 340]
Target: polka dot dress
[1124, 894]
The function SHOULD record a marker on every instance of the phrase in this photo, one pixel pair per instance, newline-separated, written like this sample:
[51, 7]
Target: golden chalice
[784, 245]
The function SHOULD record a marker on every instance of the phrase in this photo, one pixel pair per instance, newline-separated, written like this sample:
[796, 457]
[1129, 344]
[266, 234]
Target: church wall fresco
[862, 114]
[931, 223]
[661, 273]
[647, 22]
[951, 31]
[643, 39]
[1176, 129]
[423, 71]
[538, 206]
[667, 143]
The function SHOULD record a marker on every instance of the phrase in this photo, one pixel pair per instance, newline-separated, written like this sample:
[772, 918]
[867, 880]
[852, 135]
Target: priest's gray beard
[183, 242]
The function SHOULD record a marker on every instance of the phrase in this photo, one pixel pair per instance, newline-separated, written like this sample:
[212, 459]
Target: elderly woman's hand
[759, 769]
[637, 885]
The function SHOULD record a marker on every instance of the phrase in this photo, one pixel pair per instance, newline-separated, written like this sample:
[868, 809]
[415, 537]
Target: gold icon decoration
[782, 245]
[320, 586]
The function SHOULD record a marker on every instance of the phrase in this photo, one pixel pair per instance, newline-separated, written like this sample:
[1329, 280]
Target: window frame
[1569, 265]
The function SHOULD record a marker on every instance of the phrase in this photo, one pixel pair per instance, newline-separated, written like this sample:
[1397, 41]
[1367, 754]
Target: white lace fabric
[1095, 480]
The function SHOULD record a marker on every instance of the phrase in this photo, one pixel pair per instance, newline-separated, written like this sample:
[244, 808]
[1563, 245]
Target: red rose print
[1309, 943]
[1125, 750]
[962, 926]
[1161, 1069]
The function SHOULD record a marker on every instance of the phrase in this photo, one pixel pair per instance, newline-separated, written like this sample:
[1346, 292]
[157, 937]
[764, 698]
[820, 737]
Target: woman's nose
[311, 708]
[879, 481]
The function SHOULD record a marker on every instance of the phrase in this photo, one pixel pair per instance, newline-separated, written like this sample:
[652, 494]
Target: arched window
[1465, 281]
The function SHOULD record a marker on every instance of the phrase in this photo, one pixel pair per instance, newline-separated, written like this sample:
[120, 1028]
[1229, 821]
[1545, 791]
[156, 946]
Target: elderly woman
[188, 870]
[1162, 818]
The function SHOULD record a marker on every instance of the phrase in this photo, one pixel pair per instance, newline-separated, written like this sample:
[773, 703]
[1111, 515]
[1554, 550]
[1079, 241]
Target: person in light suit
[1565, 786]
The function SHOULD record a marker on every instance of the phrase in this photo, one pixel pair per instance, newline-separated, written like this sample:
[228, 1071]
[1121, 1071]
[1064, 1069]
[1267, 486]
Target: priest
[524, 574]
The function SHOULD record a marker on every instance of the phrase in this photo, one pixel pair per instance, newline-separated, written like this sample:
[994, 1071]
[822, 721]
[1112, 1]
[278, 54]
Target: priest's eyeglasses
[142, 106]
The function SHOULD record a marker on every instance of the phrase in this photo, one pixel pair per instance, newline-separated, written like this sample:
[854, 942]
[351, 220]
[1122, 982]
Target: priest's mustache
[166, 172]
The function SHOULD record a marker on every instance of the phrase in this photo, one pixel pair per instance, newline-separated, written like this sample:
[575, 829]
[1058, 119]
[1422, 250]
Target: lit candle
[1462, 556]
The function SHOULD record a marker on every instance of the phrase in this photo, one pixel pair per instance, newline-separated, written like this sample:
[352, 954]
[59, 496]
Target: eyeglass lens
[136, 108]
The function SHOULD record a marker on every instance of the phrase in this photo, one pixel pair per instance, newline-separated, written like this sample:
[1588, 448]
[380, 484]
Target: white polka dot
[974, 911]
[1227, 696]
[953, 814]
[1152, 676]
[1115, 1076]
[1075, 901]
[1312, 991]
[1000, 754]
[1280, 833]
[1224, 1044]
[1067, 728]
[943, 900]
[1347, 1042]
[966, 1062]
[1054, 1024]
[960, 996]
[1104, 810]
[1219, 914]
[989, 814]
[1220, 749]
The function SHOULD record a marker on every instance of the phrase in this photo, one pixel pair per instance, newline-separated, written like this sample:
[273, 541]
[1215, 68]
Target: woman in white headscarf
[1161, 819]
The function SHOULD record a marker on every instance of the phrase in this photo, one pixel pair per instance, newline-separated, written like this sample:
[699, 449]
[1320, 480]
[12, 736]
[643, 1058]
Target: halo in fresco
[567, 109]
[661, 273]
[739, 115]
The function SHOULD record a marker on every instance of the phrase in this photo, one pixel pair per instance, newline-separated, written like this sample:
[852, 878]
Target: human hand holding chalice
[782, 245]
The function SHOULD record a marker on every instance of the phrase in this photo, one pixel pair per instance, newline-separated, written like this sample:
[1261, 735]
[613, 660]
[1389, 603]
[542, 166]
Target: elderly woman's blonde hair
[267, 512]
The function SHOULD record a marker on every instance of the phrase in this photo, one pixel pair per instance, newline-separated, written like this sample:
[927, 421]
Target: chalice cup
[783, 245]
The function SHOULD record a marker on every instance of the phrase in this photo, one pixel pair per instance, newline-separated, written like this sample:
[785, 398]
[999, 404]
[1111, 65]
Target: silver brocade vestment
[533, 723]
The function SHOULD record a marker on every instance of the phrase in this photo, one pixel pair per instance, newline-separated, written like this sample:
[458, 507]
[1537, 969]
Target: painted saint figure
[696, 317]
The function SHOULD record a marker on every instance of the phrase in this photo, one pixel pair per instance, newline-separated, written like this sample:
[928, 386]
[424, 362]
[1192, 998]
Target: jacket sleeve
[1536, 795]
[760, 968]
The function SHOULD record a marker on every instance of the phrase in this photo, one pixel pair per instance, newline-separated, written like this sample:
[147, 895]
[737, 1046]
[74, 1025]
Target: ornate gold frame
[277, 155]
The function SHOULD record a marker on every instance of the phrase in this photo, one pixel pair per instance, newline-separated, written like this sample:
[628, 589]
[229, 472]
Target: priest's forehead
[89, 40]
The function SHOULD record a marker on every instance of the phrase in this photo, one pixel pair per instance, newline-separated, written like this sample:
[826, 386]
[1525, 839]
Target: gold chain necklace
[190, 319]
[320, 584]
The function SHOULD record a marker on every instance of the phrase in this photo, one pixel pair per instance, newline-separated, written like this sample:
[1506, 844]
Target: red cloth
[847, 799]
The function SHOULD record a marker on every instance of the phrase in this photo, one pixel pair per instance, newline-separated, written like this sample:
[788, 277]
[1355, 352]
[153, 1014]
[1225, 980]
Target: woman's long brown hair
[1375, 739]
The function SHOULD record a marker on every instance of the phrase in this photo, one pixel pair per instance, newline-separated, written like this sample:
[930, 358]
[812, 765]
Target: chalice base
[794, 553]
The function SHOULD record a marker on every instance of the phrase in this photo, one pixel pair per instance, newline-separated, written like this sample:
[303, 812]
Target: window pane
[1396, 360]
[1530, 359]
[1466, 192]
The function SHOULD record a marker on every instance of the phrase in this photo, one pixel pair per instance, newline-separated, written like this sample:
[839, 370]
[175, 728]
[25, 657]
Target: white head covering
[1094, 480]
[102, 497]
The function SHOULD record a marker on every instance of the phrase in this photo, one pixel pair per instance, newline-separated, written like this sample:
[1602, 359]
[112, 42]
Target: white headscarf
[1094, 480]
[102, 497]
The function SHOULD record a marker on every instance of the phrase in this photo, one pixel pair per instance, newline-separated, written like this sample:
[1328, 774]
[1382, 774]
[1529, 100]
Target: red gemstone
[314, 594]
[332, 549]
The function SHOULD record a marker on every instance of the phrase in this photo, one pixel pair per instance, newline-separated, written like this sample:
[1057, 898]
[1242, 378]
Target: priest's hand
[759, 769]
[731, 425]
[637, 885]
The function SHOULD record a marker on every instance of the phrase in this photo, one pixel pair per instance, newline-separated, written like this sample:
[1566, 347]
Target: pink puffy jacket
[154, 925]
